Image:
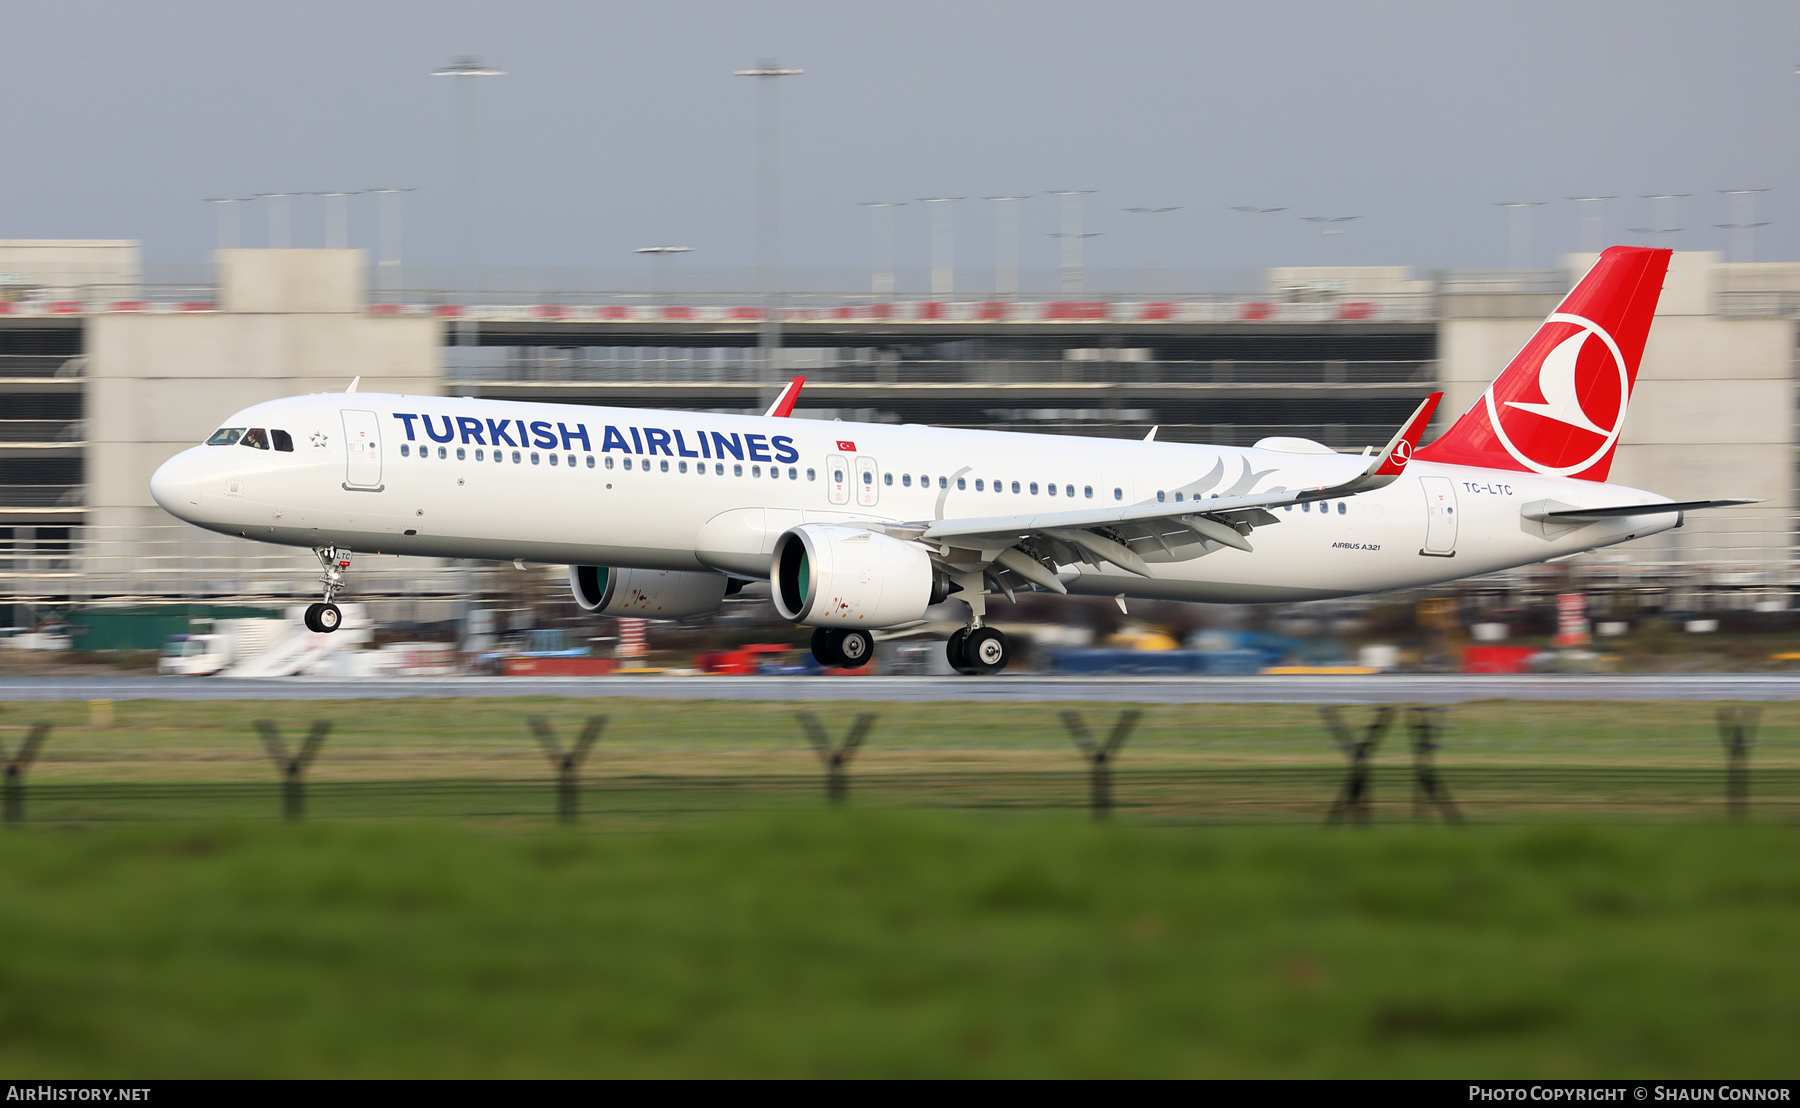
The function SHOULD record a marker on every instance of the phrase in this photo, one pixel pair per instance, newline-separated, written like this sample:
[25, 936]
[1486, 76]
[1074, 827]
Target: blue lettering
[569, 436]
[784, 449]
[471, 430]
[635, 441]
[546, 439]
[705, 452]
[681, 447]
[524, 436]
[449, 431]
[721, 444]
[612, 438]
[759, 448]
[501, 430]
[655, 438]
[407, 418]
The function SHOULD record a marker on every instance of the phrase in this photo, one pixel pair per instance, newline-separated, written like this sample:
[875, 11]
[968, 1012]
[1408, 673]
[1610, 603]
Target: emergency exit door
[1440, 517]
[362, 450]
[868, 481]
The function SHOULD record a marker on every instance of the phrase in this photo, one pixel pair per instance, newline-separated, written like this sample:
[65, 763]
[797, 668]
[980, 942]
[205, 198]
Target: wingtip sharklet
[1399, 450]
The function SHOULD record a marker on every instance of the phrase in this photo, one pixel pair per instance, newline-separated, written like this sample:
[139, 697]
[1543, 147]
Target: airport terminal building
[104, 376]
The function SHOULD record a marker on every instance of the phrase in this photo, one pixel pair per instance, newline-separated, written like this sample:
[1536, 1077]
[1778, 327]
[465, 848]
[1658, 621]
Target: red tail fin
[1559, 405]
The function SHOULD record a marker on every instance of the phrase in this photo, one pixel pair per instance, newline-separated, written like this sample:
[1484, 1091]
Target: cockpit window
[225, 436]
[255, 437]
[284, 442]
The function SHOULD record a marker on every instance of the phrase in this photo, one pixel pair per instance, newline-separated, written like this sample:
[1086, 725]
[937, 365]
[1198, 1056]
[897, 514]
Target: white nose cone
[176, 484]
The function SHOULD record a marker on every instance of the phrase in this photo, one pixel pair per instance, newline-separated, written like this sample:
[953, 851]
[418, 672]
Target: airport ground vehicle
[860, 527]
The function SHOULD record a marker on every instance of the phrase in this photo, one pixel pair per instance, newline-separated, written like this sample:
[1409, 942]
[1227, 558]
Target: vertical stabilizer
[1559, 405]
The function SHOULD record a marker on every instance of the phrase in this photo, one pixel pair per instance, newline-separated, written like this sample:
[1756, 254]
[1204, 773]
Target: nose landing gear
[326, 616]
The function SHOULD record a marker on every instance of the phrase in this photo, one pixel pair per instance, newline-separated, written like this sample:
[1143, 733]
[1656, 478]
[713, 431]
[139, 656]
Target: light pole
[228, 218]
[1593, 227]
[388, 258]
[1071, 236]
[881, 245]
[1665, 216]
[466, 69]
[337, 218]
[768, 247]
[658, 256]
[1155, 254]
[1743, 215]
[1006, 244]
[943, 244]
[1521, 229]
[280, 232]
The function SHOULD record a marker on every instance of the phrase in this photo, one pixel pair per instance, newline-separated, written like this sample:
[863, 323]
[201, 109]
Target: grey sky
[620, 126]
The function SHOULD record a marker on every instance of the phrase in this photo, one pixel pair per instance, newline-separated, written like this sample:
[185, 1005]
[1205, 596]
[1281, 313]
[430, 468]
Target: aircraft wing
[1132, 537]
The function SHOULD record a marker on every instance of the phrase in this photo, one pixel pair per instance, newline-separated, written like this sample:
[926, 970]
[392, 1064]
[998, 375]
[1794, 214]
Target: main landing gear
[978, 651]
[326, 616]
[835, 648]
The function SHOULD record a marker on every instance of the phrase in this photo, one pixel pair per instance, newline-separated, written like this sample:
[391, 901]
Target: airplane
[860, 527]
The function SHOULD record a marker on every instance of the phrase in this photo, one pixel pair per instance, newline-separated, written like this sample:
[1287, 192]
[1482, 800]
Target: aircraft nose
[176, 484]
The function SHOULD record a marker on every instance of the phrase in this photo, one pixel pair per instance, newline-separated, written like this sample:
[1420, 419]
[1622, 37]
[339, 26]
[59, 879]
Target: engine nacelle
[646, 593]
[830, 576]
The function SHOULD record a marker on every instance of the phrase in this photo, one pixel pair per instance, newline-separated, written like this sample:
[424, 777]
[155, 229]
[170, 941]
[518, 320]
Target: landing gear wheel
[987, 651]
[329, 618]
[824, 651]
[956, 651]
[312, 616]
[854, 648]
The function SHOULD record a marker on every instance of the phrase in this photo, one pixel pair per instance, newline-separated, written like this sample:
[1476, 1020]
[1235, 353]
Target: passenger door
[1440, 517]
[362, 448]
[837, 476]
[868, 481]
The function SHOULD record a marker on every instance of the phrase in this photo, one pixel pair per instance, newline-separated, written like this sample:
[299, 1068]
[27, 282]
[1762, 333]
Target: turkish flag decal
[850, 446]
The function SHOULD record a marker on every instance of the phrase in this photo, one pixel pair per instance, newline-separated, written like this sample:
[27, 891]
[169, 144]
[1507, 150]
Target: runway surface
[1381, 689]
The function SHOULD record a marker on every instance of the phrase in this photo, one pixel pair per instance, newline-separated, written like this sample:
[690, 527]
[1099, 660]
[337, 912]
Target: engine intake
[829, 576]
[646, 593]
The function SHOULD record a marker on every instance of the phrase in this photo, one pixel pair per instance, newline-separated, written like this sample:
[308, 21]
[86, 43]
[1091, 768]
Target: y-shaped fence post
[567, 762]
[1354, 800]
[1737, 731]
[1427, 723]
[836, 759]
[14, 786]
[293, 767]
[1100, 755]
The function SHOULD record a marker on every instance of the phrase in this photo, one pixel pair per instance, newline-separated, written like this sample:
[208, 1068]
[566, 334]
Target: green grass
[907, 943]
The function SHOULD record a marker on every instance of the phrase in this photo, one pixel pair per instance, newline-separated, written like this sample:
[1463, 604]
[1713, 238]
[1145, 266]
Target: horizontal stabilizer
[1577, 515]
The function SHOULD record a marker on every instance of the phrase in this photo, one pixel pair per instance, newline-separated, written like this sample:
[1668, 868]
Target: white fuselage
[713, 492]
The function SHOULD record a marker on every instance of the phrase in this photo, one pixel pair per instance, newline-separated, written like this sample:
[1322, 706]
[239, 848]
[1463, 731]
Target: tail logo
[1558, 433]
[1402, 453]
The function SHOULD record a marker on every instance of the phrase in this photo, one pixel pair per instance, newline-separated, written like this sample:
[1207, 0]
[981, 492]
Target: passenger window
[719, 469]
[1069, 490]
[571, 461]
[888, 480]
[1034, 488]
[665, 465]
[225, 436]
[794, 474]
[1159, 496]
[515, 457]
[480, 454]
[442, 454]
[737, 470]
[756, 471]
[811, 476]
[255, 437]
[459, 454]
[868, 478]
[1178, 498]
[681, 467]
[1088, 491]
[1306, 507]
[962, 483]
[1015, 486]
[552, 459]
[609, 461]
[284, 442]
[534, 457]
[405, 451]
[590, 459]
[627, 463]
[977, 484]
[1341, 507]
[1118, 494]
[906, 480]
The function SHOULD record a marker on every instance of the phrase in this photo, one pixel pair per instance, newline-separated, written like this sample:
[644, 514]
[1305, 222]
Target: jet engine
[829, 576]
[646, 593]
